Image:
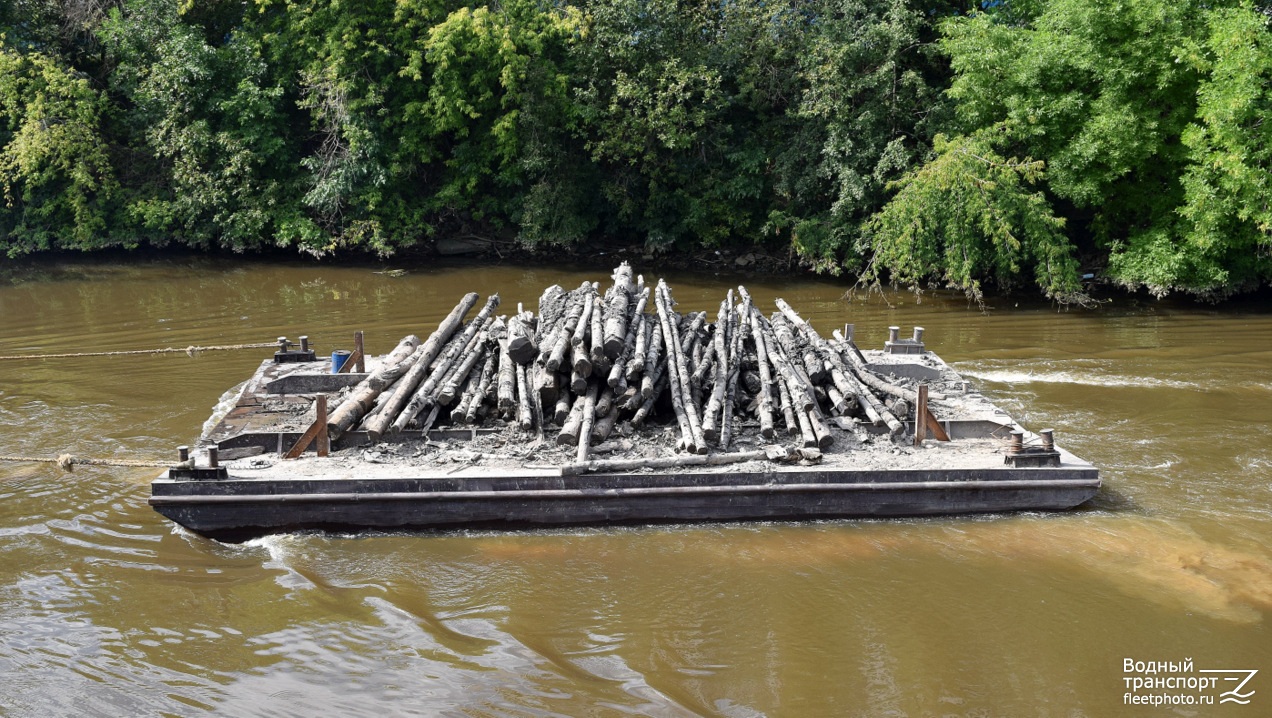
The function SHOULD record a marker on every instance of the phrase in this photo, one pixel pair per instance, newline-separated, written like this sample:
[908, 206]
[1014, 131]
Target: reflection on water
[107, 609]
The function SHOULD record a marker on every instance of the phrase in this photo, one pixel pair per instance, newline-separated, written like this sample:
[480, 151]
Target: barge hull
[240, 509]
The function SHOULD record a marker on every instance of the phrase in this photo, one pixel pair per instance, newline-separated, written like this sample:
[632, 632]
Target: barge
[749, 417]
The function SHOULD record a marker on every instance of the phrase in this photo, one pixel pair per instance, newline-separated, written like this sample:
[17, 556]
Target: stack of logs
[588, 362]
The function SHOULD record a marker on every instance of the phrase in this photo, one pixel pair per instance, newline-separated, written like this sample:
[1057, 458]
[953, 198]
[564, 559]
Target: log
[661, 462]
[877, 413]
[553, 351]
[521, 344]
[735, 368]
[561, 409]
[507, 387]
[820, 431]
[552, 306]
[616, 316]
[363, 396]
[472, 380]
[638, 419]
[420, 361]
[600, 362]
[423, 396]
[858, 365]
[578, 381]
[473, 353]
[569, 435]
[813, 366]
[677, 374]
[765, 407]
[604, 401]
[589, 417]
[580, 360]
[452, 369]
[652, 358]
[618, 371]
[549, 384]
[484, 383]
[525, 415]
[636, 364]
[719, 341]
[604, 425]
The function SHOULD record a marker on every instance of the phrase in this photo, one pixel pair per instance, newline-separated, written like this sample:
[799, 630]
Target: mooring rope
[190, 350]
[69, 462]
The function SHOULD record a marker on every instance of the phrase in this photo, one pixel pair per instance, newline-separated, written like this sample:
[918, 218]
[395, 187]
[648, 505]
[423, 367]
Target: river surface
[108, 609]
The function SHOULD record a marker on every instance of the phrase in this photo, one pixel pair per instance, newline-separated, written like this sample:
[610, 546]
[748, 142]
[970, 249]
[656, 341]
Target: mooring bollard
[1048, 439]
[894, 334]
[183, 454]
[1017, 441]
[304, 342]
[918, 334]
[212, 457]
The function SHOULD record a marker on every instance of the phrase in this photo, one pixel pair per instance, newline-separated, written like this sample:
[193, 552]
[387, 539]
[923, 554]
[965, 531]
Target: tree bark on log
[363, 396]
[569, 435]
[719, 342]
[615, 331]
[521, 345]
[596, 338]
[678, 378]
[875, 410]
[604, 425]
[550, 384]
[578, 381]
[423, 396]
[636, 363]
[868, 377]
[766, 375]
[579, 359]
[661, 463]
[484, 383]
[660, 385]
[735, 368]
[652, 358]
[473, 353]
[589, 417]
[618, 372]
[561, 410]
[472, 380]
[507, 390]
[553, 351]
[525, 416]
[420, 361]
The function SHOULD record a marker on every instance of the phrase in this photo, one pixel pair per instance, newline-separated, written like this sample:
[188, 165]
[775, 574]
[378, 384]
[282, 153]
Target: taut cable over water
[188, 351]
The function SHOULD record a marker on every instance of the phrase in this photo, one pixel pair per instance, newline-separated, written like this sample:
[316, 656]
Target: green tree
[968, 214]
[1227, 210]
[870, 104]
[55, 170]
[211, 116]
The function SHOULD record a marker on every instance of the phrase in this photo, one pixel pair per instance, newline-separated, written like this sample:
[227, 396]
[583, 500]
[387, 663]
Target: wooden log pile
[593, 363]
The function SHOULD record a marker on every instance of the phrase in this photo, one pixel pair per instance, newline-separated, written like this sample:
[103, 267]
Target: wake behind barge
[537, 462]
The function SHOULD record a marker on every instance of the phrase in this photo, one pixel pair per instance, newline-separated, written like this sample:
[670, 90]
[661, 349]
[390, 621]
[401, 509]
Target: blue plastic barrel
[338, 359]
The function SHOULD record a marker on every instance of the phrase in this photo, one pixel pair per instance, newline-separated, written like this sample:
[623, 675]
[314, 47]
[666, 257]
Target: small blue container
[338, 359]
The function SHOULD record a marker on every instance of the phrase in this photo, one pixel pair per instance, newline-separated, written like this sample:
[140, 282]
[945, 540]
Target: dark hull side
[235, 509]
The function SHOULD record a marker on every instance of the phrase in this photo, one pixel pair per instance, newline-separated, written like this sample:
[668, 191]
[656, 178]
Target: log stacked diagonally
[595, 363]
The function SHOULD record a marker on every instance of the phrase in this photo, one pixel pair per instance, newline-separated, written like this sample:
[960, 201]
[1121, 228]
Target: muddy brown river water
[108, 609]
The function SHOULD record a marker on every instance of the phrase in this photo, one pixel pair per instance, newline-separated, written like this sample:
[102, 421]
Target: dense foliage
[941, 143]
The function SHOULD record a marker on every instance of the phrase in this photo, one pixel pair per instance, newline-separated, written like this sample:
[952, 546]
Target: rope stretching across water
[68, 462]
[190, 350]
